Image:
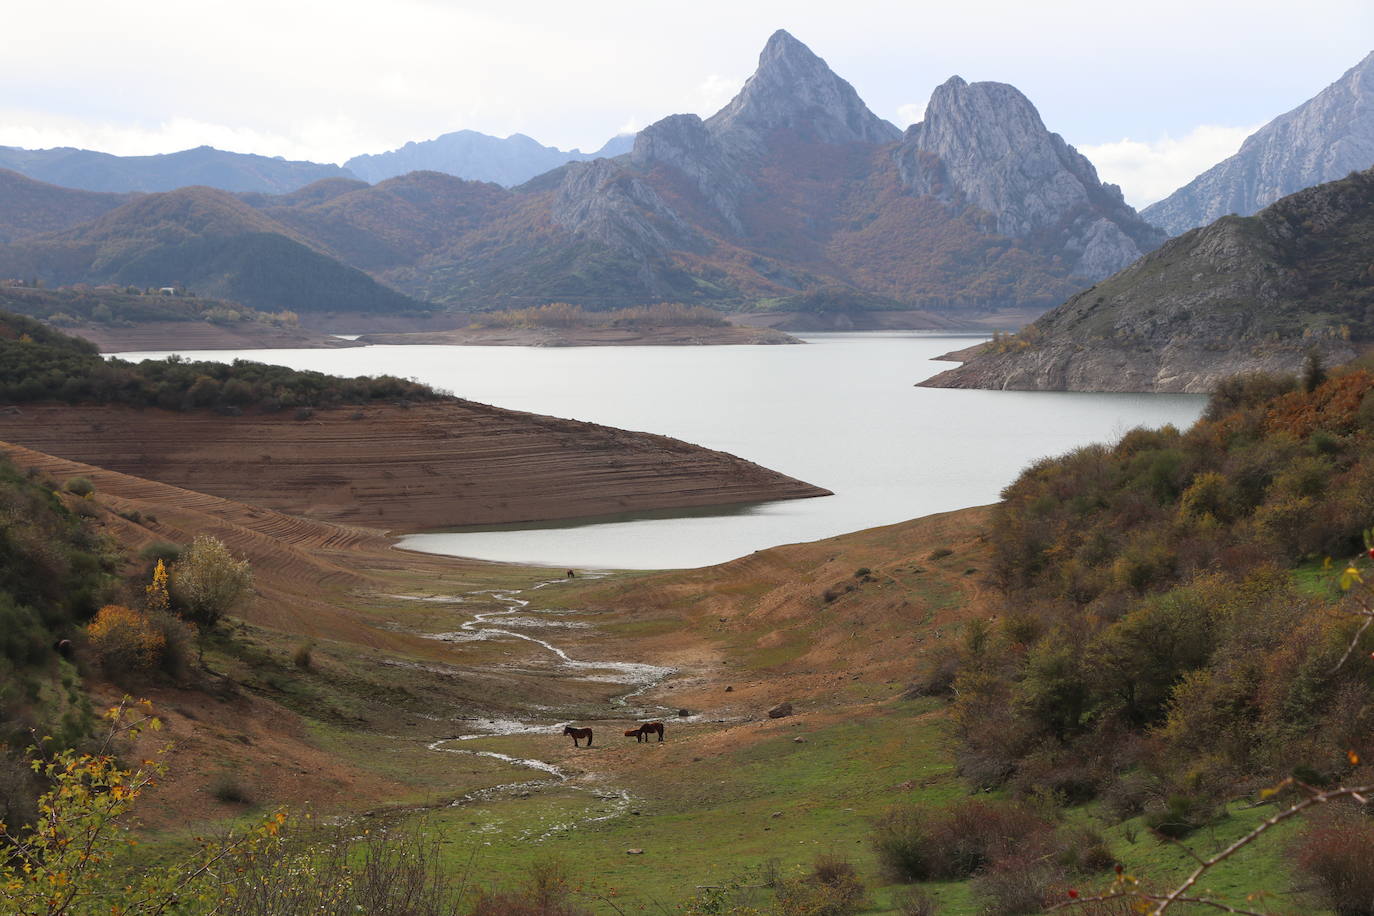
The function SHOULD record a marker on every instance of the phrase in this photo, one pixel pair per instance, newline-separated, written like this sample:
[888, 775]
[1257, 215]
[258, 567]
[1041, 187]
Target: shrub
[804, 897]
[971, 834]
[228, 789]
[546, 892]
[902, 845]
[80, 486]
[303, 658]
[915, 903]
[1016, 885]
[832, 889]
[1082, 849]
[955, 842]
[1337, 855]
[835, 871]
[1179, 815]
[178, 644]
[125, 641]
[208, 582]
[165, 551]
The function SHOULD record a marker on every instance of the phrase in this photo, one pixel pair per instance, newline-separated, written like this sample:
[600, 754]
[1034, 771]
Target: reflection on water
[841, 412]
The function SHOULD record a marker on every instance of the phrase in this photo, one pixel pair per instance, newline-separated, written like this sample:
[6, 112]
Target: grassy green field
[718, 806]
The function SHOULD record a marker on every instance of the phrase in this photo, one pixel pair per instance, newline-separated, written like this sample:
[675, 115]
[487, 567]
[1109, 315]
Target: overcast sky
[1152, 93]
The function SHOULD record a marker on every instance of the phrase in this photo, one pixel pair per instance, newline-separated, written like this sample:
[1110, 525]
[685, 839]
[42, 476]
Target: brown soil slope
[301, 569]
[404, 469]
[826, 624]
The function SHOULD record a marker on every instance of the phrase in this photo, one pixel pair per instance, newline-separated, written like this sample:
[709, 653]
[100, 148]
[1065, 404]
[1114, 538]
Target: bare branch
[1368, 619]
[1318, 798]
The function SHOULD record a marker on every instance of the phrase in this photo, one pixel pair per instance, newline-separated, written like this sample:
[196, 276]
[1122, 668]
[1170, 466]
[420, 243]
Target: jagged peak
[991, 98]
[794, 88]
[782, 42]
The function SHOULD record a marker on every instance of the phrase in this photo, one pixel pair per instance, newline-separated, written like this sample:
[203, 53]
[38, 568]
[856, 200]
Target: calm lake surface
[841, 412]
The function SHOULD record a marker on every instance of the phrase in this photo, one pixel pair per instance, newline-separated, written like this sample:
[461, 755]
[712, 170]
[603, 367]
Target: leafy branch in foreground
[69, 863]
[1350, 578]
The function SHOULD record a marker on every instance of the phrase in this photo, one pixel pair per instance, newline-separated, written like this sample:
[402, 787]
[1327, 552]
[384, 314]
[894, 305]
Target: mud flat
[199, 335]
[689, 336]
[404, 469]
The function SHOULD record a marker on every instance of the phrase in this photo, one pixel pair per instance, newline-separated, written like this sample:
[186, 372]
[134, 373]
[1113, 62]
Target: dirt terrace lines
[404, 469]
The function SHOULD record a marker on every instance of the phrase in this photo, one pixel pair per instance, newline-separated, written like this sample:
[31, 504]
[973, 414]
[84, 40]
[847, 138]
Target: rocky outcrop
[684, 143]
[1244, 294]
[478, 157]
[602, 201]
[1325, 138]
[983, 145]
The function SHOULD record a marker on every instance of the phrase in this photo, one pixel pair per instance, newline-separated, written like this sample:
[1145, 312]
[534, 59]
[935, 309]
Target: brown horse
[578, 733]
[644, 731]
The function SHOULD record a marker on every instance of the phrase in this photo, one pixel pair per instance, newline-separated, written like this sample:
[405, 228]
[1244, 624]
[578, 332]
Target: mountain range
[1325, 138]
[91, 171]
[1245, 293]
[478, 157]
[794, 193]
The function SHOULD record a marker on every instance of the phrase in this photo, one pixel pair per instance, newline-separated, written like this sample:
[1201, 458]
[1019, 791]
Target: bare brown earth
[894, 320]
[589, 337]
[401, 469]
[200, 335]
[802, 623]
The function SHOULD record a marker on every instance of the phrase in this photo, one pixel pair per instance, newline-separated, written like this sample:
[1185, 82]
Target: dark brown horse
[578, 733]
[644, 731]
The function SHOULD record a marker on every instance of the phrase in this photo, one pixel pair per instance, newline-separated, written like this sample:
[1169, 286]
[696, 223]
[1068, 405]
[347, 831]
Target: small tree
[157, 599]
[208, 582]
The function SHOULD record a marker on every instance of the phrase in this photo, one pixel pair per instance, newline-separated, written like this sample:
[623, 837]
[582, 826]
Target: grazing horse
[578, 733]
[571, 574]
[644, 731]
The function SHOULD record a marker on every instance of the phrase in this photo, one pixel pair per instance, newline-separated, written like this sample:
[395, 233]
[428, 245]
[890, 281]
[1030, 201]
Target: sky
[1152, 94]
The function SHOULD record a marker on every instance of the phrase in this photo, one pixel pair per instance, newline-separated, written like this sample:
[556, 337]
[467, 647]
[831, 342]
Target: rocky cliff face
[1323, 139]
[478, 157]
[1244, 294]
[683, 142]
[984, 145]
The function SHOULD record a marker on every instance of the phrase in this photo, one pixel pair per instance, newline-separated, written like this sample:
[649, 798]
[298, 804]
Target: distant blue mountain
[204, 165]
[479, 157]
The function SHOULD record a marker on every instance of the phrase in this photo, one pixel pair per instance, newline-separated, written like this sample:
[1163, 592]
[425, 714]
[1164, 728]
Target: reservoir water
[841, 412]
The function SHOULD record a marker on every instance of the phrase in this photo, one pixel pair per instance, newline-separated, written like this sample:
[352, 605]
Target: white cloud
[1152, 170]
[715, 92]
[909, 114]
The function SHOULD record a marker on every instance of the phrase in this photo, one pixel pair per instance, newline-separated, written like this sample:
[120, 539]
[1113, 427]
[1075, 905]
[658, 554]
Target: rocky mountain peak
[1325, 138]
[984, 145]
[795, 89]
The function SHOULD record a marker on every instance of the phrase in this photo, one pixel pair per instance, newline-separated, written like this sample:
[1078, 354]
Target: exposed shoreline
[321, 331]
[681, 336]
